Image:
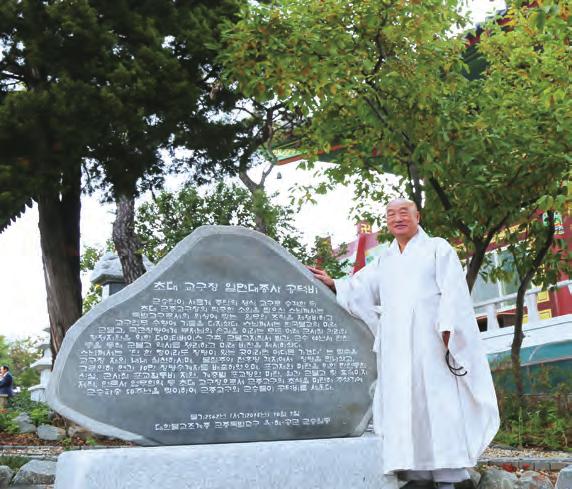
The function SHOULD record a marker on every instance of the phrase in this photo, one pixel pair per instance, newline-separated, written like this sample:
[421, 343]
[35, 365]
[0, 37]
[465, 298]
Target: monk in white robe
[435, 405]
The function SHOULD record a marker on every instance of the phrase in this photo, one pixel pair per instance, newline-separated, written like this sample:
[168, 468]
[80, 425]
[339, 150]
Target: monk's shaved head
[401, 201]
[402, 219]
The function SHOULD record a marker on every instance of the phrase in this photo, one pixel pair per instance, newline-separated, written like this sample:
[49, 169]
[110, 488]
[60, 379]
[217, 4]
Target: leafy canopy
[388, 82]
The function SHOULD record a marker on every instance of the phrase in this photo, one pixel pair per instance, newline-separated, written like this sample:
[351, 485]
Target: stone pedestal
[44, 366]
[337, 463]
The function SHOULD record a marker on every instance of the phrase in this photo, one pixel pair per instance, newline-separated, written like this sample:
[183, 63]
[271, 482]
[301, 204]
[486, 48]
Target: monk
[435, 405]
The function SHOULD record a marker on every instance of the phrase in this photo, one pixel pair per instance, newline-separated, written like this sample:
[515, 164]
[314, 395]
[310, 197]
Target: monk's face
[402, 219]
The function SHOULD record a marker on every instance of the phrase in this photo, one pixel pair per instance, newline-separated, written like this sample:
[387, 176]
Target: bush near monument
[545, 422]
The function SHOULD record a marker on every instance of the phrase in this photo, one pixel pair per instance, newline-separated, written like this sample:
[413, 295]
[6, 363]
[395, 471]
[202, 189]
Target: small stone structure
[44, 366]
[108, 273]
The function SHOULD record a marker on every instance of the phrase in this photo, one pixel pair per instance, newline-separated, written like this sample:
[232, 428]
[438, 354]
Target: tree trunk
[126, 242]
[260, 224]
[59, 224]
[258, 194]
[517, 343]
[475, 264]
[523, 286]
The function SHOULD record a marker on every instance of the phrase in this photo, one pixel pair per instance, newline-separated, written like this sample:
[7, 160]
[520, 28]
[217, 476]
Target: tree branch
[494, 230]
[444, 198]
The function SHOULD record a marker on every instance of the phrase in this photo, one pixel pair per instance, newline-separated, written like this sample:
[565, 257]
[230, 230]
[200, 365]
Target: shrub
[7, 423]
[40, 414]
[22, 403]
[545, 421]
[13, 461]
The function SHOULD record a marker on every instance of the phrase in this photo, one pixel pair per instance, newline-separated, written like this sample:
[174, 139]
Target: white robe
[428, 418]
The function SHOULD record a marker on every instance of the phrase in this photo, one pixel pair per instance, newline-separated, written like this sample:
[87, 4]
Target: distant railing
[530, 298]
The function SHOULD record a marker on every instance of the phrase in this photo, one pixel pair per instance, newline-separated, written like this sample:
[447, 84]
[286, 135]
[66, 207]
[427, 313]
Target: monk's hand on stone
[446, 335]
[323, 277]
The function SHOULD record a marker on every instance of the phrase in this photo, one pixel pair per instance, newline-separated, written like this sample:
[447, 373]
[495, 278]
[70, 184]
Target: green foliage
[388, 77]
[103, 86]
[19, 355]
[91, 93]
[92, 297]
[324, 257]
[7, 423]
[67, 443]
[13, 461]
[161, 224]
[545, 421]
[4, 351]
[89, 258]
[22, 403]
[91, 442]
[524, 241]
[543, 424]
[40, 414]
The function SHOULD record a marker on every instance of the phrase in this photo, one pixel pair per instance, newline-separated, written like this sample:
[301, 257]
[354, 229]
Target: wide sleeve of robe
[456, 314]
[455, 298]
[360, 295]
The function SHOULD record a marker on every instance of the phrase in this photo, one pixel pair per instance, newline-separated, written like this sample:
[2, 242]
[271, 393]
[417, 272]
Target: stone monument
[44, 366]
[229, 339]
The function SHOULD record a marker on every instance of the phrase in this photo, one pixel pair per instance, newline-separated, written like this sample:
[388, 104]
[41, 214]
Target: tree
[323, 256]
[4, 351]
[173, 96]
[388, 82]
[19, 355]
[247, 132]
[23, 353]
[89, 257]
[92, 87]
[539, 256]
[170, 217]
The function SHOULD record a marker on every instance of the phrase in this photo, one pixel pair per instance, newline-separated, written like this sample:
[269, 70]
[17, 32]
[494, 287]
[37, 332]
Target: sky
[22, 288]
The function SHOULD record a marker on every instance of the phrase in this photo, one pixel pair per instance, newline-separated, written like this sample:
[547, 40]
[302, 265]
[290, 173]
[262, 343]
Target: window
[487, 289]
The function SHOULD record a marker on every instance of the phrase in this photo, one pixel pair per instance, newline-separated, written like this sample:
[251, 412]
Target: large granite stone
[35, 472]
[50, 433]
[494, 478]
[228, 339]
[24, 423]
[533, 480]
[6, 474]
[564, 480]
[308, 464]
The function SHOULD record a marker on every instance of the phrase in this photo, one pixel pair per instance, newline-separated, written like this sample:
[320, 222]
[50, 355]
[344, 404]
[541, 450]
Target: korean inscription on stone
[227, 339]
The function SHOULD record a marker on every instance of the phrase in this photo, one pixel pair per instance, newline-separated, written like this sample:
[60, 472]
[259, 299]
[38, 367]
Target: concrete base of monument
[336, 463]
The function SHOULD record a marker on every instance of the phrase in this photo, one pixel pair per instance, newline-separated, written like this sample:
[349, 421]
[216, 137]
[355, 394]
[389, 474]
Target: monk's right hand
[323, 277]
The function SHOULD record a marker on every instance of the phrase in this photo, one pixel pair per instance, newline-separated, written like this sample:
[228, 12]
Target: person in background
[6, 381]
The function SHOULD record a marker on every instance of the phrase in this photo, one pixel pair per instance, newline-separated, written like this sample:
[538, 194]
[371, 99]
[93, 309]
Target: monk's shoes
[419, 485]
